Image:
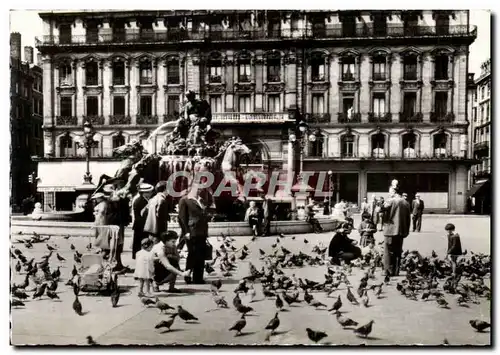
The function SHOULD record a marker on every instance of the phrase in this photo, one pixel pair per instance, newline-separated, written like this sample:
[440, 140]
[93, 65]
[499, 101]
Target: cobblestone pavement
[397, 319]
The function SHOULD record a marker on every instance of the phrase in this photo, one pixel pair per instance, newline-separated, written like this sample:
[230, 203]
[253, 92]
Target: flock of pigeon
[426, 279]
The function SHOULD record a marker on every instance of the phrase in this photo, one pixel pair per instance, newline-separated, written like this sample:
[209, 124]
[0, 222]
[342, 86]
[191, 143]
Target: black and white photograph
[250, 177]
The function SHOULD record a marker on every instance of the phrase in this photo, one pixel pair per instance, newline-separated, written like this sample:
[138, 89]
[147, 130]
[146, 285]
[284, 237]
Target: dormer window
[173, 72]
[410, 67]
[118, 72]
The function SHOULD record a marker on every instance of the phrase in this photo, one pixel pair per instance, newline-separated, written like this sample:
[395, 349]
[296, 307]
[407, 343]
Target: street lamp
[87, 144]
[299, 137]
[330, 189]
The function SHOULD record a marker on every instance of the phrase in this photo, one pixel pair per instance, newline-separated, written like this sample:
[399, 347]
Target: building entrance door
[348, 187]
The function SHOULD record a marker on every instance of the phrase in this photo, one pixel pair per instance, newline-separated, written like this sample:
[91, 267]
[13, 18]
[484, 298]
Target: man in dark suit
[397, 219]
[193, 220]
[417, 209]
[139, 202]
[267, 215]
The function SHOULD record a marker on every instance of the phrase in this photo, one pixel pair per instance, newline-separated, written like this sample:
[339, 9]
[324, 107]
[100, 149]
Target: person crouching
[341, 247]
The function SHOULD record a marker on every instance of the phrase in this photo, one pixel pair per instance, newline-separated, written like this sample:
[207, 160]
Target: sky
[29, 24]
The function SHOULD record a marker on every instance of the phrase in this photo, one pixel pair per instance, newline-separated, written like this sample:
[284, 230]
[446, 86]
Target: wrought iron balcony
[348, 77]
[482, 174]
[119, 120]
[216, 79]
[379, 76]
[173, 80]
[118, 80]
[147, 119]
[91, 81]
[484, 145]
[175, 35]
[343, 118]
[379, 117]
[253, 117]
[317, 117]
[410, 117]
[94, 120]
[66, 121]
[442, 117]
[273, 79]
[244, 78]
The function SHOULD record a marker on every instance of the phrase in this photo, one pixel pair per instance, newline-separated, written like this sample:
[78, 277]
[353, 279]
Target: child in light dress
[144, 267]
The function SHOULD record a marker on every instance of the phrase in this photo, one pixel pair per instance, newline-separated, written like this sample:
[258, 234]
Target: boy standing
[454, 246]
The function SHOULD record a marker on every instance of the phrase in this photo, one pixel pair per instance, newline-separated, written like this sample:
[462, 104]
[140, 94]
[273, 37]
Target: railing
[379, 117]
[482, 145]
[317, 78]
[273, 79]
[317, 117]
[119, 120]
[347, 77]
[378, 77]
[410, 75]
[482, 174]
[410, 117]
[91, 81]
[216, 79]
[343, 118]
[173, 80]
[244, 78]
[442, 117]
[118, 80]
[66, 120]
[334, 32]
[149, 120]
[243, 117]
[94, 120]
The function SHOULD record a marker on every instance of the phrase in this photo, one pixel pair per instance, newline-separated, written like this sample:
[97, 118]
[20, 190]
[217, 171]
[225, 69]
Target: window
[379, 25]
[317, 67]
[119, 105]
[440, 141]
[318, 104]
[482, 92]
[173, 106]
[318, 27]
[146, 30]
[92, 106]
[17, 88]
[65, 77]
[347, 150]
[215, 70]
[91, 73]
[316, 147]
[244, 103]
[348, 106]
[118, 31]
[410, 24]
[409, 104]
[65, 33]
[92, 32]
[409, 141]
[348, 26]
[378, 145]
[410, 67]
[38, 84]
[118, 141]
[273, 103]
[379, 68]
[119, 72]
[66, 146]
[348, 68]
[273, 68]
[244, 71]
[487, 112]
[441, 67]
[216, 103]
[379, 104]
[474, 114]
[66, 106]
[441, 104]
[442, 24]
[488, 88]
[146, 108]
[173, 75]
[146, 72]
[26, 90]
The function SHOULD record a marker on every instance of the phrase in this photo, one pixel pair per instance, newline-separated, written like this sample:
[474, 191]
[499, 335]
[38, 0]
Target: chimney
[15, 45]
[39, 59]
[28, 54]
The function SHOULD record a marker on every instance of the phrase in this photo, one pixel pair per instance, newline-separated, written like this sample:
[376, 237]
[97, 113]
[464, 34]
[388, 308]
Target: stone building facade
[26, 114]
[384, 92]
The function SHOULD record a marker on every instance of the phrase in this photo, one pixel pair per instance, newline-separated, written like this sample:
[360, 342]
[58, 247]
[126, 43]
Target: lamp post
[330, 190]
[87, 144]
[298, 139]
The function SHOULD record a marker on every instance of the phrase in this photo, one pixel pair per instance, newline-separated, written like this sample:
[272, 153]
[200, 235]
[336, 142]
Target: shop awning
[66, 175]
[476, 188]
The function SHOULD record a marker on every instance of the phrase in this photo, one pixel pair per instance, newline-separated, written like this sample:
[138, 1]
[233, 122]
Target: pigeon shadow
[368, 337]
[251, 315]
[121, 305]
[242, 334]
[280, 332]
[284, 310]
[192, 322]
[84, 313]
[381, 297]
[172, 331]
[464, 305]
[483, 331]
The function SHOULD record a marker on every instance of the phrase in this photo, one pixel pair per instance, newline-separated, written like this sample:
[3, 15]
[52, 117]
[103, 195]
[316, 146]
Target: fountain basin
[25, 225]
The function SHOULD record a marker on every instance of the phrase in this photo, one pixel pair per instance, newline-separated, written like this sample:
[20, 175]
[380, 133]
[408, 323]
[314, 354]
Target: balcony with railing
[362, 31]
[484, 145]
[119, 120]
[442, 117]
[317, 117]
[344, 117]
[215, 79]
[247, 117]
[147, 119]
[348, 77]
[410, 117]
[118, 80]
[94, 120]
[66, 120]
[379, 77]
[375, 117]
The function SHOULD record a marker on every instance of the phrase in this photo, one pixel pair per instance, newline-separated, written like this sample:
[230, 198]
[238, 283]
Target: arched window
[65, 74]
[378, 145]
[410, 66]
[441, 61]
[409, 144]
[118, 140]
[317, 66]
[118, 71]
[273, 67]
[244, 71]
[215, 68]
[347, 145]
[91, 73]
[173, 72]
[66, 146]
[348, 68]
[379, 67]
[146, 72]
[440, 143]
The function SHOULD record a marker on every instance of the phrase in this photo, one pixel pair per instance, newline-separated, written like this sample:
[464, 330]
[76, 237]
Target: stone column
[162, 69]
[449, 104]
[396, 92]
[334, 90]
[128, 82]
[134, 95]
[364, 71]
[300, 81]
[106, 94]
[193, 68]
[328, 74]
[362, 185]
[79, 95]
[419, 77]
[229, 78]
[57, 96]
[427, 90]
[290, 79]
[154, 99]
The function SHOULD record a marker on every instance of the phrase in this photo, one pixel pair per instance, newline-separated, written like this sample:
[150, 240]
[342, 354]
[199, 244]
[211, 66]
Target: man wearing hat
[139, 202]
[417, 209]
[157, 211]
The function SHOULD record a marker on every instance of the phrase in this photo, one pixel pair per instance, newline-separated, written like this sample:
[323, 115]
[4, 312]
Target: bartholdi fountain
[192, 146]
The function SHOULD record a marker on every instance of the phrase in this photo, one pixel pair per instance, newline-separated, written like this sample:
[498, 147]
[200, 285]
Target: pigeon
[317, 304]
[479, 325]
[51, 248]
[166, 323]
[147, 301]
[185, 315]
[77, 306]
[220, 301]
[72, 247]
[90, 340]
[336, 306]
[52, 295]
[216, 285]
[20, 294]
[59, 257]
[236, 301]
[239, 325]
[209, 269]
[273, 323]
[18, 266]
[251, 293]
[307, 297]
[115, 296]
[315, 335]
[244, 309]
[279, 302]
[56, 274]
[442, 302]
[351, 298]
[40, 290]
[17, 303]
[365, 300]
[364, 330]
[162, 306]
[345, 322]
[306, 241]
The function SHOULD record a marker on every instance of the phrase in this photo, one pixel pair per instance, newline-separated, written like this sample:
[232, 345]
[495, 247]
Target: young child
[144, 267]
[366, 229]
[454, 246]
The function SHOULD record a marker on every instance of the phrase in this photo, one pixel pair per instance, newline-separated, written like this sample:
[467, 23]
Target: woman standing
[139, 203]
